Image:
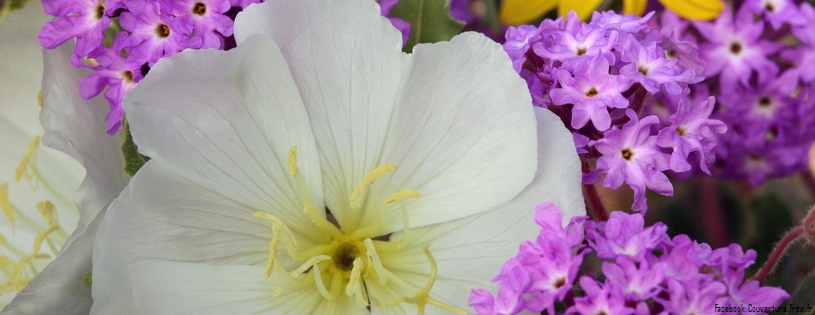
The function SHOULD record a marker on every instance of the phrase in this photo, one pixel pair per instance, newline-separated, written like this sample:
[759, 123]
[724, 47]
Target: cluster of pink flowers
[142, 32]
[644, 271]
[601, 78]
[759, 62]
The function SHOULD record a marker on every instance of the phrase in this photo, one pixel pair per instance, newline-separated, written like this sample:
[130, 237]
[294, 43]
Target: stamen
[277, 222]
[46, 208]
[422, 298]
[402, 195]
[356, 272]
[308, 264]
[373, 259]
[292, 160]
[396, 246]
[308, 207]
[39, 98]
[28, 158]
[17, 281]
[336, 284]
[359, 296]
[28, 169]
[313, 265]
[273, 251]
[5, 205]
[355, 196]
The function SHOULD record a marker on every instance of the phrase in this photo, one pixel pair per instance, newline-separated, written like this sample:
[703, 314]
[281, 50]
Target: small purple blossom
[692, 130]
[630, 155]
[649, 66]
[776, 12]
[84, 20]
[605, 299]
[153, 35]
[592, 91]
[113, 73]
[637, 283]
[206, 19]
[734, 49]
[625, 234]
[669, 276]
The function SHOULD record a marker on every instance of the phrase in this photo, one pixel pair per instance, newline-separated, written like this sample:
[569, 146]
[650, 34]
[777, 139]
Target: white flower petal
[77, 128]
[347, 62]
[470, 251]
[459, 104]
[162, 215]
[229, 125]
[167, 288]
[463, 133]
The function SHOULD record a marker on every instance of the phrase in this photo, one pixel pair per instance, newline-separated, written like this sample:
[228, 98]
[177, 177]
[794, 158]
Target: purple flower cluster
[644, 271]
[760, 65]
[601, 78]
[144, 32]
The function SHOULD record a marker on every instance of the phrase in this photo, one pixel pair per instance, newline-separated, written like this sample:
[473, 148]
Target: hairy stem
[779, 250]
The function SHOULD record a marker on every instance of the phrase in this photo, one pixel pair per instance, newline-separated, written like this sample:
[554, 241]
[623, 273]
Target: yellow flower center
[339, 265]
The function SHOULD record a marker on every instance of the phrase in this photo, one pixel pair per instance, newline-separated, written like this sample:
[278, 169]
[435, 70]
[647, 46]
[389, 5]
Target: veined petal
[583, 8]
[466, 145]
[76, 127]
[695, 9]
[347, 62]
[470, 251]
[229, 127]
[516, 12]
[163, 287]
[165, 216]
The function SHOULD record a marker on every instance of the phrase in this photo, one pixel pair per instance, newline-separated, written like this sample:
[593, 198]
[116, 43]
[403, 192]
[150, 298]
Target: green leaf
[430, 21]
[133, 160]
[802, 299]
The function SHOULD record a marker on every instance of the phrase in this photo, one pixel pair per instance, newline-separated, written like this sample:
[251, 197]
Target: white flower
[45, 213]
[430, 164]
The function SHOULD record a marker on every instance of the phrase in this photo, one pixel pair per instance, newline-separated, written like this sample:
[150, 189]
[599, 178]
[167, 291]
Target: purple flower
[804, 55]
[460, 10]
[84, 20]
[205, 17]
[692, 130]
[606, 300]
[648, 66]
[518, 41]
[734, 49]
[593, 91]
[776, 12]
[111, 72]
[750, 292]
[691, 297]
[638, 283]
[385, 7]
[576, 39]
[625, 234]
[152, 35]
[543, 270]
[766, 106]
[631, 23]
[630, 155]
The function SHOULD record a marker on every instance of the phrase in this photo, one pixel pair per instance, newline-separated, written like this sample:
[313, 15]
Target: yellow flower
[515, 12]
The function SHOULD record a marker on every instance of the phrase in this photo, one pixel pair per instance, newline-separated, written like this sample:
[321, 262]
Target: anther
[402, 195]
[356, 195]
[5, 204]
